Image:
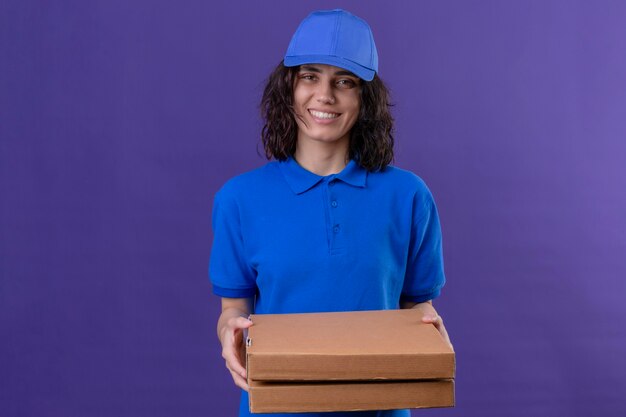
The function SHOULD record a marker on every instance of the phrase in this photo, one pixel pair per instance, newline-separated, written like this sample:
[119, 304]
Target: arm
[430, 316]
[230, 326]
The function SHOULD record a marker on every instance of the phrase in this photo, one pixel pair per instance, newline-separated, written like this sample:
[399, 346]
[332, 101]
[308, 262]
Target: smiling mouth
[323, 115]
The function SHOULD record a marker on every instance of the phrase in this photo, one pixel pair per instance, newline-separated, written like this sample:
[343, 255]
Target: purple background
[119, 120]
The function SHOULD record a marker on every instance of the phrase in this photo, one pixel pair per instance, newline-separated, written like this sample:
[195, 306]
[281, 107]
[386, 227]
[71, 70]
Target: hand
[234, 348]
[431, 316]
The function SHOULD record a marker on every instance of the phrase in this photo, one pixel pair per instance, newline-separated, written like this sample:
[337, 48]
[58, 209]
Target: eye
[346, 83]
[309, 77]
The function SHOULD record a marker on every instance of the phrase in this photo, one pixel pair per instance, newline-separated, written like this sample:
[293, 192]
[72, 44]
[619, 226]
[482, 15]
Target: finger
[444, 333]
[232, 358]
[239, 381]
[233, 364]
[233, 355]
[437, 321]
[239, 323]
[442, 329]
[431, 318]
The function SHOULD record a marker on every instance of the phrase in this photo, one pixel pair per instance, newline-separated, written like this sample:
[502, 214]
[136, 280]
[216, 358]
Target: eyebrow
[315, 69]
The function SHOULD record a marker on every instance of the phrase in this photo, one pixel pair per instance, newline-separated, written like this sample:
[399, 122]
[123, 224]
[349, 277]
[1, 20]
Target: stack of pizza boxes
[347, 361]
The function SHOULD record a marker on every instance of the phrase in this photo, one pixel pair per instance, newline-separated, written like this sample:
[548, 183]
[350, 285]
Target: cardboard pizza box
[279, 397]
[346, 346]
[347, 361]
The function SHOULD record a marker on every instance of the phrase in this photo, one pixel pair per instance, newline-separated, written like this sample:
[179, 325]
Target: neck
[320, 160]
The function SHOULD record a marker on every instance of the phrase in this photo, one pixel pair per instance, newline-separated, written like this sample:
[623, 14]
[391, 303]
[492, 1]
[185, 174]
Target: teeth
[322, 115]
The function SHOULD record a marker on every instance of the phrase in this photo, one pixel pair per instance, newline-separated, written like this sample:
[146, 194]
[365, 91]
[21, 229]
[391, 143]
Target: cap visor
[358, 70]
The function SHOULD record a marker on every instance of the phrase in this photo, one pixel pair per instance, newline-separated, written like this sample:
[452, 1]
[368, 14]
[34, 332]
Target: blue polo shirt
[300, 242]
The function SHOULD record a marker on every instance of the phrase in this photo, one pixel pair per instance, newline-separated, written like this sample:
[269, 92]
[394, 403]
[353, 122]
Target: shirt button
[333, 203]
[336, 228]
[331, 183]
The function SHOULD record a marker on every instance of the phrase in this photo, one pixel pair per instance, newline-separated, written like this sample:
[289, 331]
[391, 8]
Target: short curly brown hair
[371, 137]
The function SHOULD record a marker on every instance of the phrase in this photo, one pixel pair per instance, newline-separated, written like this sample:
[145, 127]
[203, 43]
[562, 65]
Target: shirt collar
[301, 179]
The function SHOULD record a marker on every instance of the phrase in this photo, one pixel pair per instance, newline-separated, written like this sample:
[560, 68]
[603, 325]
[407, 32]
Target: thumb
[244, 323]
[428, 317]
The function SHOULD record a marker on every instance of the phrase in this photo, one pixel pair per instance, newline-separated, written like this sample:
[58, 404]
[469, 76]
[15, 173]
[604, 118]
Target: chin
[326, 137]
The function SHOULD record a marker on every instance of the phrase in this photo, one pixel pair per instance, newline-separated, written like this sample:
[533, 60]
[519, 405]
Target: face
[326, 101]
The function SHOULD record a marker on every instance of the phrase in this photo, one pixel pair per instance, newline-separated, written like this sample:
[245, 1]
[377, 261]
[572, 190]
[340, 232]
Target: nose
[325, 94]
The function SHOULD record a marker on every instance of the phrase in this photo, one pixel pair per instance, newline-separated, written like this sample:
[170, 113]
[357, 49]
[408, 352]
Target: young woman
[329, 225]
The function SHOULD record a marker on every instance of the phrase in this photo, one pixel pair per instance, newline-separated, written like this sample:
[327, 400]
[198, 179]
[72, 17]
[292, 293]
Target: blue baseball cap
[334, 37]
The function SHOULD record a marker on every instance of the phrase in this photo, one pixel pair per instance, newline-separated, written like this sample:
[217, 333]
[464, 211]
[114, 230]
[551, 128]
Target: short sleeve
[424, 276]
[229, 272]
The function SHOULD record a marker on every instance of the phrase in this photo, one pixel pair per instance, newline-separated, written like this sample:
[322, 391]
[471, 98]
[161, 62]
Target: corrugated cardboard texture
[364, 345]
[280, 397]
